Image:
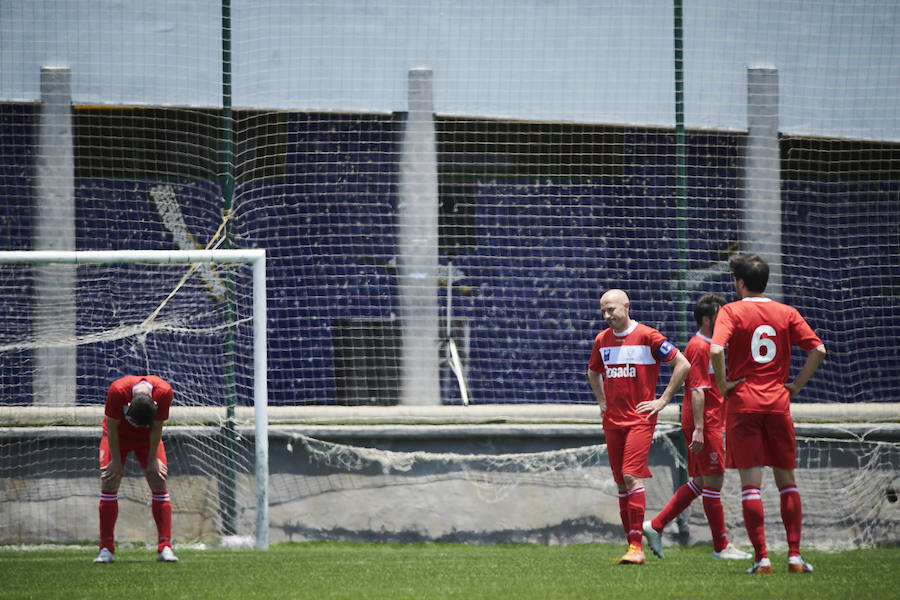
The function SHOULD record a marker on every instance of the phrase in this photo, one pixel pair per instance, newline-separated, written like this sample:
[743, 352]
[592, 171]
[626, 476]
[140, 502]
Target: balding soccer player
[623, 371]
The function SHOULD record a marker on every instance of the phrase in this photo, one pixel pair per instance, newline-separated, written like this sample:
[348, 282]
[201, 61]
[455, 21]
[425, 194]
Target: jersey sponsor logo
[627, 355]
[619, 372]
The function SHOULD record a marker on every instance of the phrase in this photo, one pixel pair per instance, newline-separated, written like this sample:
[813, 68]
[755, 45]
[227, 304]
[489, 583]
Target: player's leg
[745, 453]
[680, 500]
[155, 472]
[715, 516]
[615, 447]
[783, 447]
[710, 464]
[715, 513]
[109, 501]
[754, 517]
[634, 470]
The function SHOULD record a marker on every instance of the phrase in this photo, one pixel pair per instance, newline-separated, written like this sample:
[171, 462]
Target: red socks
[754, 520]
[792, 517]
[162, 514]
[623, 512]
[637, 502]
[679, 501]
[109, 512]
[715, 516]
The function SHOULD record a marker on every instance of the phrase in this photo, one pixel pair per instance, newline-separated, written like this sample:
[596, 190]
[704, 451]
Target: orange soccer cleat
[634, 556]
[798, 565]
[763, 565]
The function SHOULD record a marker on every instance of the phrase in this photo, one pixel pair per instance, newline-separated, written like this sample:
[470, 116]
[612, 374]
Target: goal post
[256, 258]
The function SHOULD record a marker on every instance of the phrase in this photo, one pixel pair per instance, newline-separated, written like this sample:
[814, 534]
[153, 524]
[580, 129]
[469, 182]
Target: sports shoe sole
[765, 569]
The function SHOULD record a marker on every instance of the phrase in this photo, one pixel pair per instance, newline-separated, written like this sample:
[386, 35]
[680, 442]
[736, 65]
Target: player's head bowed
[142, 410]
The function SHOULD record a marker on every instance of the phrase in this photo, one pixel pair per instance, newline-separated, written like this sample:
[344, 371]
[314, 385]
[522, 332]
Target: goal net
[72, 323]
[552, 484]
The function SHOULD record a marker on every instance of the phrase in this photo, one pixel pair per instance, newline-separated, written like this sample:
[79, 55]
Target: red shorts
[628, 448]
[141, 449]
[760, 440]
[711, 458]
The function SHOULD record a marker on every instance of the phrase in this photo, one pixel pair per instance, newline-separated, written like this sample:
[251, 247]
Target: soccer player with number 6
[759, 333]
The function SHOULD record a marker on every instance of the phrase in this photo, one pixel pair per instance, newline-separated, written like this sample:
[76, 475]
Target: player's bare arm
[111, 474]
[717, 358]
[814, 358]
[698, 406]
[155, 468]
[681, 366]
[596, 381]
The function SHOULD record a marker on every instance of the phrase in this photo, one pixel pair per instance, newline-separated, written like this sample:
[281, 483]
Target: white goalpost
[63, 410]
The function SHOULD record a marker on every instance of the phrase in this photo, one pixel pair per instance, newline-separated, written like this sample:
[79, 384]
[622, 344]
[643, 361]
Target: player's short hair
[142, 409]
[752, 270]
[707, 306]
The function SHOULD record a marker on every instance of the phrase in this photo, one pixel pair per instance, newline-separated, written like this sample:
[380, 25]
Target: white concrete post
[761, 211]
[55, 368]
[417, 247]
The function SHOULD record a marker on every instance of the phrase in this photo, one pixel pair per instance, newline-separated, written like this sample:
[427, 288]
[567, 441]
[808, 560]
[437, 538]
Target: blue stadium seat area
[544, 251]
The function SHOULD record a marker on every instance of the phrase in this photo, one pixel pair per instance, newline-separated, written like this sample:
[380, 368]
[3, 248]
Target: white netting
[136, 318]
[366, 490]
[550, 150]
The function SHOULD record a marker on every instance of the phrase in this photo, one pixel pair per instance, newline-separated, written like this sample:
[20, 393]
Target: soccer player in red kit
[702, 420]
[623, 370]
[759, 333]
[136, 407]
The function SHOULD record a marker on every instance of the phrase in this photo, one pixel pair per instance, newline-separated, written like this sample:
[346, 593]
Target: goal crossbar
[257, 259]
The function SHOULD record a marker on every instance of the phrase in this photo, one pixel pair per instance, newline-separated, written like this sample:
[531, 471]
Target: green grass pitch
[345, 570]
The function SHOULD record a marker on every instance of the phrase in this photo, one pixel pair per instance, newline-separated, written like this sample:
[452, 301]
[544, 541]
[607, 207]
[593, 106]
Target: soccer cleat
[654, 538]
[761, 566]
[732, 552]
[166, 555]
[104, 556]
[798, 565]
[634, 556]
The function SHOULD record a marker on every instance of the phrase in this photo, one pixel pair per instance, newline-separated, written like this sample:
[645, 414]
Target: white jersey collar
[627, 331]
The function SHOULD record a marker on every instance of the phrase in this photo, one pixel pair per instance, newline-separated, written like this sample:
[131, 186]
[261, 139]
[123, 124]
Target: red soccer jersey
[701, 377]
[759, 333]
[629, 362]
[119, 395]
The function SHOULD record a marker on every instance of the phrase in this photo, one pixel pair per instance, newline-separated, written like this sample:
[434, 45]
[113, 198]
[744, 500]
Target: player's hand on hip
[793, 388]
[730, 385]
[651, 407]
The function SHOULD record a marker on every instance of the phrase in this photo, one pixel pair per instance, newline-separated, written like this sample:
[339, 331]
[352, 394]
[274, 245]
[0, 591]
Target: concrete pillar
[417, 247]
[55, 369]
[761, 210]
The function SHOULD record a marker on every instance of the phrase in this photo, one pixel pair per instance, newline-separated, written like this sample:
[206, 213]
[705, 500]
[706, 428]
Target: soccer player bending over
[759, 333]
[136, 407]
[623, 372]
[702, 420]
